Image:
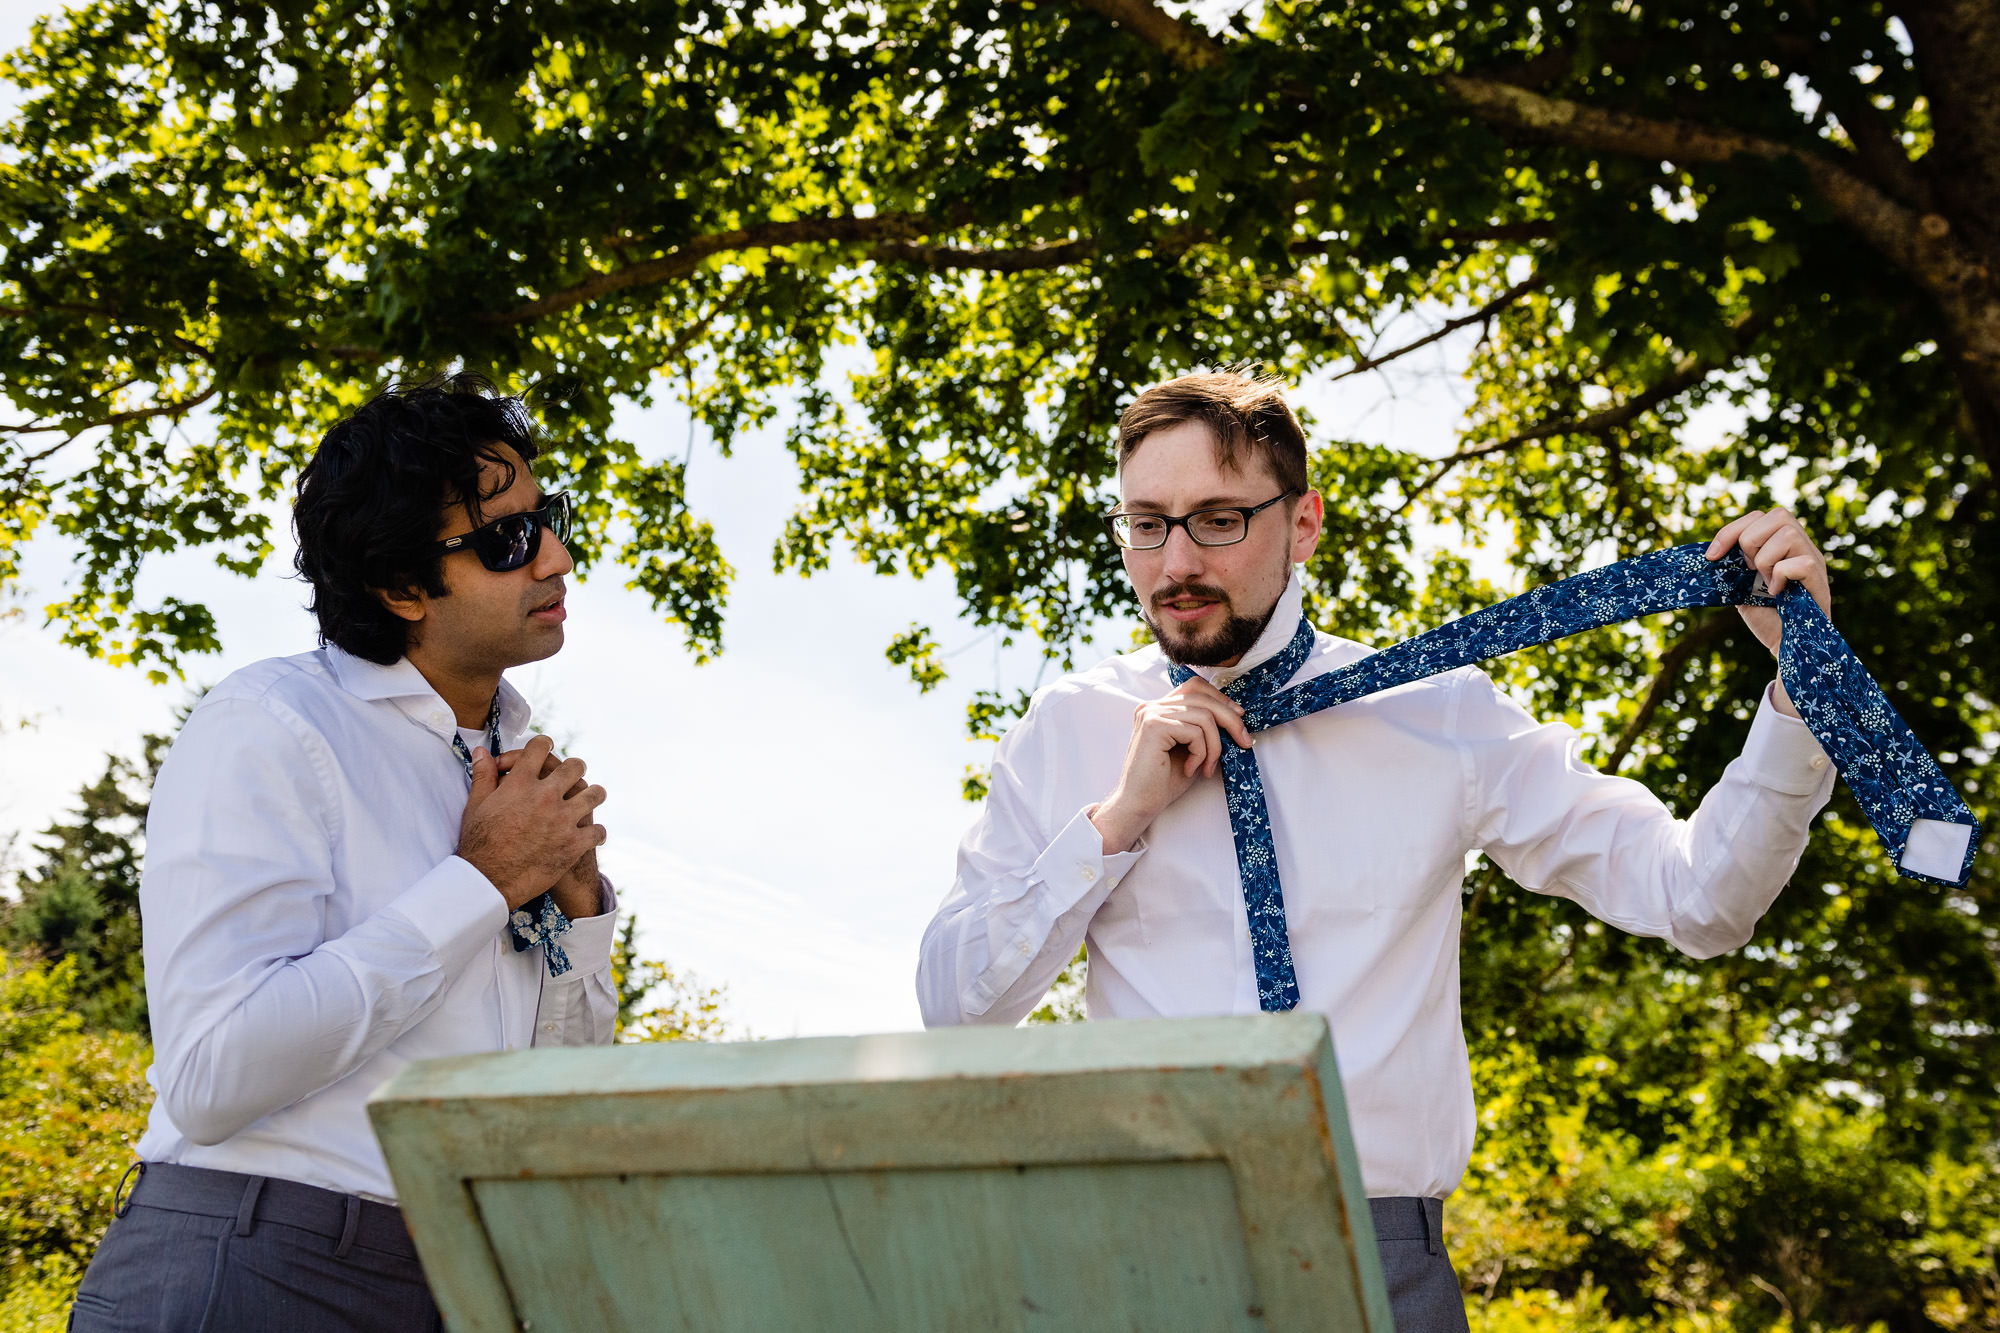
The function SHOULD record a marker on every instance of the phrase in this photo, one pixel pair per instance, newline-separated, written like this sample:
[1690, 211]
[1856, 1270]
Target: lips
[1188, 603]
[552, 609]
[1185, 609]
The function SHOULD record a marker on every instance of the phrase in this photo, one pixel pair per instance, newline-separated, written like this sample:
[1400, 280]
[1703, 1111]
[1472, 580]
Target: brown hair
[1246, 414]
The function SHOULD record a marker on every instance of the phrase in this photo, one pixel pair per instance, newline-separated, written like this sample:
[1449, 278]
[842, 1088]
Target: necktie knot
[1268, 676]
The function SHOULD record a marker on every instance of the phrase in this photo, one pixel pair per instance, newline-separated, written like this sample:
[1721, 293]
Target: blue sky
[783, 820]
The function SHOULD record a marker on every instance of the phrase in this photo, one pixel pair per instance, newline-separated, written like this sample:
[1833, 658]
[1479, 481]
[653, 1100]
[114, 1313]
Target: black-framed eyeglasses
[512, 540]
[1208, 527]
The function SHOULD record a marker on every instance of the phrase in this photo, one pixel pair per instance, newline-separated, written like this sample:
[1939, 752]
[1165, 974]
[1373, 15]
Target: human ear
[405, 605]
[1308, 521]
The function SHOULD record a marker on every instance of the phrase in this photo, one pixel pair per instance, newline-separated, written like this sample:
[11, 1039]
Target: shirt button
[1819, 762]
[1026, 952]
[548, 1027]
[1089, 873]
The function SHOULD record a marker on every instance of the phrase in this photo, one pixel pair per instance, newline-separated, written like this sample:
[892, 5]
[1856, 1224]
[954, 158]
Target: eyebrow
[541, 498]
[1212, 502]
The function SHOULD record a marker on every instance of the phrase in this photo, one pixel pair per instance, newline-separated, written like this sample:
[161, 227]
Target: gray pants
[1423, 1290]
[196, 1251]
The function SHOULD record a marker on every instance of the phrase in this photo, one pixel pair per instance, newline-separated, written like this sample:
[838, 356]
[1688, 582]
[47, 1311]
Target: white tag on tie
[1936, 848]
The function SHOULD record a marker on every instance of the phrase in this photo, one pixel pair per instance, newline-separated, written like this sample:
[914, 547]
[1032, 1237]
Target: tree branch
[1705, 632]
[179, 407]
[1539, 229]
[689, 255]
[1022, 259]
[1949, 269]
[1921, 244]
[1479, 316]
[1956, 48]
[894, 235]
[1184, 43]
[1688, 372]
[1878, 152]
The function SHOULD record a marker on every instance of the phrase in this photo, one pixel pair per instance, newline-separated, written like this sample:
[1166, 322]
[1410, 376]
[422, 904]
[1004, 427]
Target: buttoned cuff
[1783, 755]
[1076, 864]
[1072, 872]
[590, 938]
[456, 909]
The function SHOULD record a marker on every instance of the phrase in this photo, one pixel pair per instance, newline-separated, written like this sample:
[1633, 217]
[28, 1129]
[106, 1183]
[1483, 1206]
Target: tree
[1001, 220]
[658, 1002]
[82, 901]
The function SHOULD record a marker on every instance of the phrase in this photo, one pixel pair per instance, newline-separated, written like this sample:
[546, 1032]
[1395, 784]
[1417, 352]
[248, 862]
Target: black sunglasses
[512, 540]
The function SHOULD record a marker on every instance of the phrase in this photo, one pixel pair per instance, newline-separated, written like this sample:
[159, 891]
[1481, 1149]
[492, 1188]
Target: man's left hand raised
[1778, 548]
[578, 893]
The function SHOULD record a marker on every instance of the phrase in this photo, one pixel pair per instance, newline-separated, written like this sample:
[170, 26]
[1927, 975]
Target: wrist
[1116, 826]
[516, 890]
[579, 896]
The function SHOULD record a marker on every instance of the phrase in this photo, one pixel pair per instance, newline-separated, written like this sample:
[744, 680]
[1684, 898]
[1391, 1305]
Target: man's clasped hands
[531, 835]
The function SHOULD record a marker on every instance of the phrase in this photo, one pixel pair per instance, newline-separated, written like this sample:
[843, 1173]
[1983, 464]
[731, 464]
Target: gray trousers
[197, 1251]
[1423, 1290]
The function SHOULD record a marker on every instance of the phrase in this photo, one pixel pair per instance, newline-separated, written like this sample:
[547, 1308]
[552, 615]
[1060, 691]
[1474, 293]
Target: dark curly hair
[370, 501]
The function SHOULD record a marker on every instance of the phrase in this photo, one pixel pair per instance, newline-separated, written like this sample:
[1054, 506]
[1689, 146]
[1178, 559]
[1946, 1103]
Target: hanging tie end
[1938, 851]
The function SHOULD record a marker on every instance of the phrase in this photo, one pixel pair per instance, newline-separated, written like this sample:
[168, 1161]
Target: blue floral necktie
[541, 921]
[1894, 779]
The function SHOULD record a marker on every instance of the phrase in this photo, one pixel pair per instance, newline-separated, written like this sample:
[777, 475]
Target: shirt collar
[403, 686]
[1278, 632]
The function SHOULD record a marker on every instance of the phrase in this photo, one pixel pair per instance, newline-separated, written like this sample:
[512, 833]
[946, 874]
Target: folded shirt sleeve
[1026, 889]
[254, 1006]
[580, 1007]
[1557, 825]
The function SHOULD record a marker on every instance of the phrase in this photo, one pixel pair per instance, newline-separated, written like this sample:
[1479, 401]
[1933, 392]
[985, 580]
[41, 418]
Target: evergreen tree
[81, 899]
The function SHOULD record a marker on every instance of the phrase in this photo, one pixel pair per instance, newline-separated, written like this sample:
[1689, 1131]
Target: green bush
[1741, 1215]
[72, 1107]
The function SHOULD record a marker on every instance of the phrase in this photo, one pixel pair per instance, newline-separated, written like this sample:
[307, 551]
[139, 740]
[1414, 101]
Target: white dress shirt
[1374, 806]
[308, 930]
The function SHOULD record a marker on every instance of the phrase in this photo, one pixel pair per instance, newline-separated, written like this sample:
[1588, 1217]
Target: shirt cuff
[589, 940]
[1075, 865]
[1072, 872]
[1783, 754]
[456, 909]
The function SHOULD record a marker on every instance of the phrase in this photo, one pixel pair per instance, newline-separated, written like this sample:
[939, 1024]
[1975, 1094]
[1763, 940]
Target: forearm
[1701, 883]
[1005, 931]
[304, 1023]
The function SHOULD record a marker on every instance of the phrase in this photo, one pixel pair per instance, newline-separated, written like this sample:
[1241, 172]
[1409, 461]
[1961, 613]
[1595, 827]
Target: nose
[1182, 558]
[554, 559]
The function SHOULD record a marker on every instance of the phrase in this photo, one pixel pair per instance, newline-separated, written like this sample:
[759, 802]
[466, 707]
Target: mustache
[1206, 590]
[547, 593]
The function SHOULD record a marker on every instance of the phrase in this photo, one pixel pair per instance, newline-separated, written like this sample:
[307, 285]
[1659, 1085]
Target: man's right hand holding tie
[1175, 739]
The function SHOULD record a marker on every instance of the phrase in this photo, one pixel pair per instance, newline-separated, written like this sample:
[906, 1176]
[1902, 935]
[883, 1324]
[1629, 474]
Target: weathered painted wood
[1173, 1175]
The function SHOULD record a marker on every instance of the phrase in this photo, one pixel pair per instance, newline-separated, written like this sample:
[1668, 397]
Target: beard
[1226, 642]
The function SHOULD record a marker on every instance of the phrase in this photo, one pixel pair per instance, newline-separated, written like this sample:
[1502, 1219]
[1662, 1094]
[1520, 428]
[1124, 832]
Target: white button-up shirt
[309, 931]
[1374, 806]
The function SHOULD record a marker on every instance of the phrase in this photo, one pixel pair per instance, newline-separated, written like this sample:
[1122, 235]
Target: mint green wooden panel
[1001, 1248]
[1258, 1096]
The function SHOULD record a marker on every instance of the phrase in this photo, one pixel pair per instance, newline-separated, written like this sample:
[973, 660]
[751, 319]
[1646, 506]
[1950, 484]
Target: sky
[782, 821]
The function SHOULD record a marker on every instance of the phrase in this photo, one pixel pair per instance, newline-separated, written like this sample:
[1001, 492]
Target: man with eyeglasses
[356, 858]
[1106, 821]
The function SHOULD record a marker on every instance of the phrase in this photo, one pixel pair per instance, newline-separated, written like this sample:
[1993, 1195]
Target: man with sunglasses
[356, 858]
[1106, 819]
